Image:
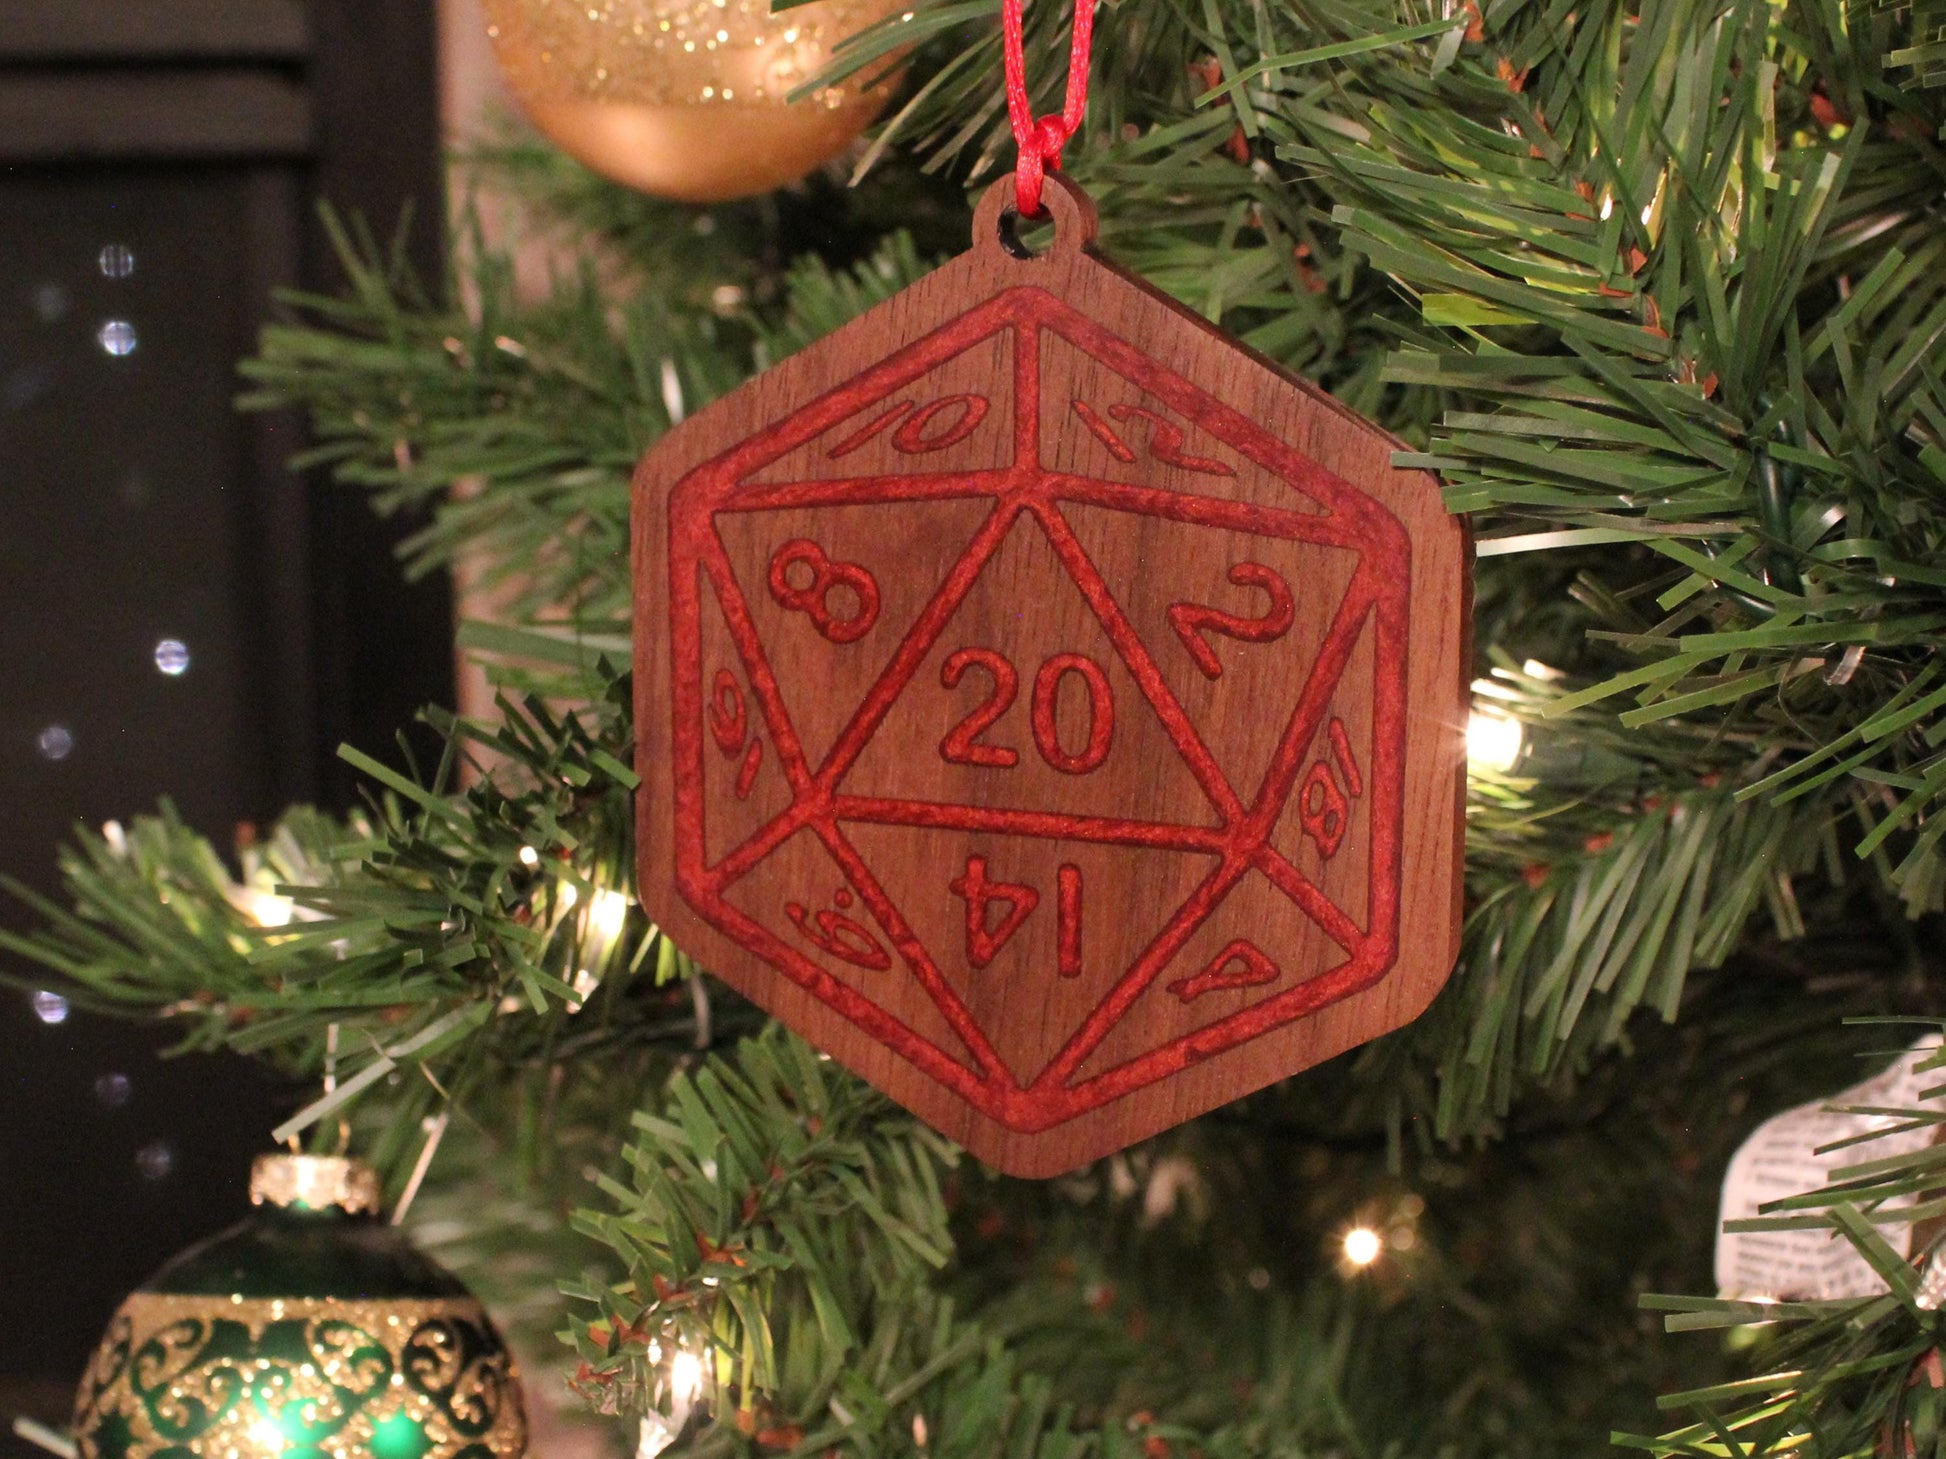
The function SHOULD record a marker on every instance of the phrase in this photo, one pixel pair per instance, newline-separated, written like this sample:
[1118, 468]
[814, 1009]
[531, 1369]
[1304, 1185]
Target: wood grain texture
[1050, 708]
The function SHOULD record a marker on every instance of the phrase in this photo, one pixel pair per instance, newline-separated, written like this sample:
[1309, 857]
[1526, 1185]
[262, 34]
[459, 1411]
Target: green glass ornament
[313, 1330]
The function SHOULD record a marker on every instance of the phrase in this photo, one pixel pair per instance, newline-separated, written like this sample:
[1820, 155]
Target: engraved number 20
[963, 745]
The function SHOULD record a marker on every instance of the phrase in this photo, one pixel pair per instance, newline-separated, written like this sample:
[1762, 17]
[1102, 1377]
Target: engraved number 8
[814, 597]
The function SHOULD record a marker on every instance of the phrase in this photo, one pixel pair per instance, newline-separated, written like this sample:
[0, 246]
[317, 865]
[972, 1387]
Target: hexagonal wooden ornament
[1050, 708]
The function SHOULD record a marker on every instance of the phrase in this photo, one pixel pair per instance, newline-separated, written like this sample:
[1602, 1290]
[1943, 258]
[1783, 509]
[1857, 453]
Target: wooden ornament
[1050, 708]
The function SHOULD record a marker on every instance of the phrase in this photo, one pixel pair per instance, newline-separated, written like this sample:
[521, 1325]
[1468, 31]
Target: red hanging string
[1041, 138]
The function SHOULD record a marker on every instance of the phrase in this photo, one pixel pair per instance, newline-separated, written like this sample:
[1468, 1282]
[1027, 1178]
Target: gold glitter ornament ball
[685, 98]
[311, 1331]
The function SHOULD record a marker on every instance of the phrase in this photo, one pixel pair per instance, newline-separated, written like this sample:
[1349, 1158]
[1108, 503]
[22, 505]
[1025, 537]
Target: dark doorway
[179, 615]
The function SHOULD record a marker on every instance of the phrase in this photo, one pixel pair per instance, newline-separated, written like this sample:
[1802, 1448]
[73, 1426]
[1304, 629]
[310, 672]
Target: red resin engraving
[1104, 432]
[813, 598]
[870, 431]
[1347, 762]
[1070, 929]
[1166, 440]
[1101, 713]
[1240, 965]
[1322, 809]
[1192, 620]
[1349, 907]
[839, 935]
[962, 743]
[753, 759]
[983, 943]
[728, 719]
[918, 435]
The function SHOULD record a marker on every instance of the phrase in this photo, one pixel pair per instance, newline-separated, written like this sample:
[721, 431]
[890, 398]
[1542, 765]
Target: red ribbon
[1041, 138]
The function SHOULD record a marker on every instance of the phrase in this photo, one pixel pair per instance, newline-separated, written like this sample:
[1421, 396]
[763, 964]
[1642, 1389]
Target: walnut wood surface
[1050, 708]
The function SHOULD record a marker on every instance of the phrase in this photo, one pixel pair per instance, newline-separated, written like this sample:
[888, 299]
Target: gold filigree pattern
[300, 1378]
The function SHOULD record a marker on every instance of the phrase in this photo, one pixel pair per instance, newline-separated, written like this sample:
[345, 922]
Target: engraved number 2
[1193, 622]
[961, 745]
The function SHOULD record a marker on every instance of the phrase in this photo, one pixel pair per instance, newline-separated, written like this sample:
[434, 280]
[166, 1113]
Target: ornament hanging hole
[1014, 239]
[1064, 226]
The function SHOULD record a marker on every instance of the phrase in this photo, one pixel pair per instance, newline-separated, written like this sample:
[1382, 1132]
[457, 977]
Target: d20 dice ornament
[1050, 708]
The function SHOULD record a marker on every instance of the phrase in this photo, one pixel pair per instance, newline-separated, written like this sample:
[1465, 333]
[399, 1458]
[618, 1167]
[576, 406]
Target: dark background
[160, 166]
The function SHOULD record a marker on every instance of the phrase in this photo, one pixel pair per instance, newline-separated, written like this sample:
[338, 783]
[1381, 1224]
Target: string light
[685, 1377]
[584, 986]
[1362, 1246]
[50, 1008]
[267, 909]
[529, 856]
[1747, 1331]
[607, 913]
[654, 1436]
[1493, 741]
[685, 1385]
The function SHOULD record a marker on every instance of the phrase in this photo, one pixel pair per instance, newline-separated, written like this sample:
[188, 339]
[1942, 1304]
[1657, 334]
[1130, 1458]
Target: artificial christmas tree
[1658, 291]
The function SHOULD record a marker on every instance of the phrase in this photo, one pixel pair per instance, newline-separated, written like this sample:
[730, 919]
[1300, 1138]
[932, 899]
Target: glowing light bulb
[606, 914]
[685, 1376]
[1493, 741]
[267, 1437]
[1362, 1246]
[529, 856]
[654, 1436]
[569, 895]
[267, 909]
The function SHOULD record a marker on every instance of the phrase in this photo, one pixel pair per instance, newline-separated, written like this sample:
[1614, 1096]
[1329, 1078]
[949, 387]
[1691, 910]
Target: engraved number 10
[963, 746]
